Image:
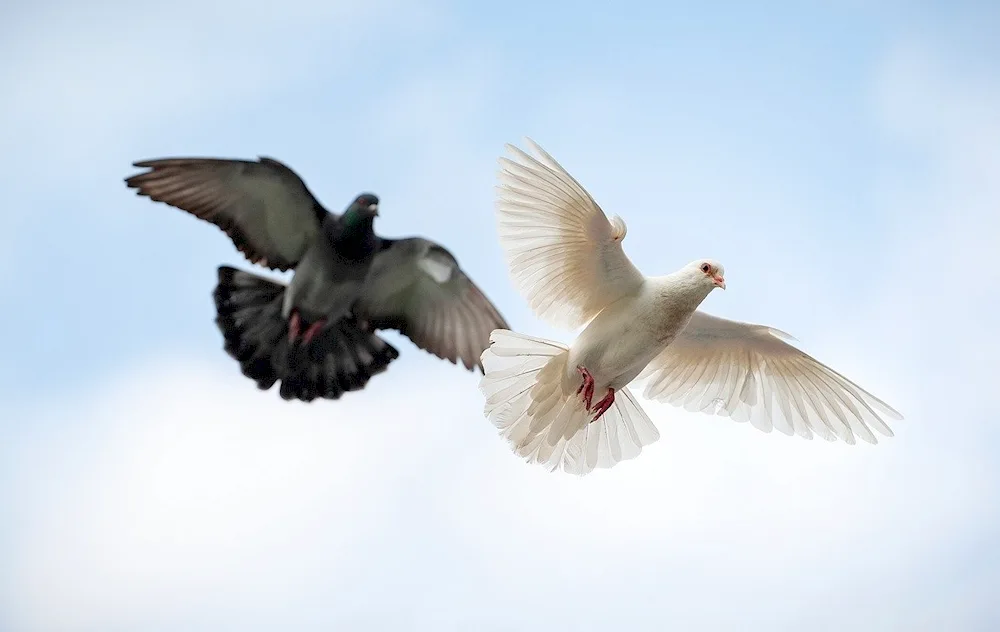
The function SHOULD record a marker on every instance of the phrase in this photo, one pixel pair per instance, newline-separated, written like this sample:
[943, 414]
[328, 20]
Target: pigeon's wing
[264, 207]
[417, 287]
[564, 254]
[749, 373]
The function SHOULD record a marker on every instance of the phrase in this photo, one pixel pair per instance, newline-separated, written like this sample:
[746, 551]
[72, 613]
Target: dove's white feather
[540, 415]
[748, 373]
[564, 255]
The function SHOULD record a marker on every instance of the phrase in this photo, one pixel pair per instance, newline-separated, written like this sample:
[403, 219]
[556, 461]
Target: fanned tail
[341, 358]
[541, 416]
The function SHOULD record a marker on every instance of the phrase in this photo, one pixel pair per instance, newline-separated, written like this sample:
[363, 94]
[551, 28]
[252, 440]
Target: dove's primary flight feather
[564, 254]
[347, 282]
[741, 370]
[566, 258]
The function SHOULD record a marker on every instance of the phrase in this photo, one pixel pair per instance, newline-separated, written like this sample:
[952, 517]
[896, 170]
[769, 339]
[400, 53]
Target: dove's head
[709, 272]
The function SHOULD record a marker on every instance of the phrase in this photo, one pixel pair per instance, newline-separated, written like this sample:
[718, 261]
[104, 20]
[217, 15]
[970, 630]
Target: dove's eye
[706, 268]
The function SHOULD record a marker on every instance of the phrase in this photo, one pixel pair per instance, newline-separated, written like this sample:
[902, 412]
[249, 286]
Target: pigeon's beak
[719, 281]
[374, 209]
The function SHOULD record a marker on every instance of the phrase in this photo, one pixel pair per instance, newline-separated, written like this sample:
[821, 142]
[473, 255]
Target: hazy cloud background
[841, 160]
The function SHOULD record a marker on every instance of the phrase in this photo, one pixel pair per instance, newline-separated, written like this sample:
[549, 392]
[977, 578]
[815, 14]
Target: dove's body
[566, 257]
[625, 336]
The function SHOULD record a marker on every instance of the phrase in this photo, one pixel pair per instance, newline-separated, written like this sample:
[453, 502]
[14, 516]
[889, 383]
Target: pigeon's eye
[706, 268]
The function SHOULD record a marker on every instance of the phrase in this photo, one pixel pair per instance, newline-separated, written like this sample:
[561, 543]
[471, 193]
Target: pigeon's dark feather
[343, 357]
[264, 207]
[417, 287]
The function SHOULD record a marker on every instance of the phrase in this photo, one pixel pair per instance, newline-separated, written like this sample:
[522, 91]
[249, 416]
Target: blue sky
[839, 159]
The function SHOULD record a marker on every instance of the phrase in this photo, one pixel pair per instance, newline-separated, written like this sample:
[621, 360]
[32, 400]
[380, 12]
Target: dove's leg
[294, 325]
[313, 330]
[586, 387]
[603, 405]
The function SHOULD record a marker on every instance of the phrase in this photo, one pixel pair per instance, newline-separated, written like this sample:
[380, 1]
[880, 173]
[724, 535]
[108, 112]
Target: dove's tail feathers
[534, 405]
[342, 357]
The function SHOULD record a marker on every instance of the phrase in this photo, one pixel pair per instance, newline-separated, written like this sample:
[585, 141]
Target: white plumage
[566, 258]
[564, 255]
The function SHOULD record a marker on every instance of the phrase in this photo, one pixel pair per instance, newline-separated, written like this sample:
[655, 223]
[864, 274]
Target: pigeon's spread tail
[536, 408]
[342, 357]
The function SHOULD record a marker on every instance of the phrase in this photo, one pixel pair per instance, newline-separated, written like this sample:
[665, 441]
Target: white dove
[566, 258]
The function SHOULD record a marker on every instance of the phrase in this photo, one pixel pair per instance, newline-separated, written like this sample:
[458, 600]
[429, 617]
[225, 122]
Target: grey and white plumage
[565, 256]
[347, 280]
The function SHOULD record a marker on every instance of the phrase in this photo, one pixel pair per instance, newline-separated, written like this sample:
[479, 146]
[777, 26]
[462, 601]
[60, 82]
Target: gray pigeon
[316, 334]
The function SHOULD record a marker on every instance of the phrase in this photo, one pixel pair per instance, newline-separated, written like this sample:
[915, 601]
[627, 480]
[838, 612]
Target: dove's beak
[719, 281]
[374, 209]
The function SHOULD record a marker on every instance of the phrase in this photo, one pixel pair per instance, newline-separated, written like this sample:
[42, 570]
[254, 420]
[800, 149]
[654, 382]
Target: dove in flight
[316, 335]
[570, 407]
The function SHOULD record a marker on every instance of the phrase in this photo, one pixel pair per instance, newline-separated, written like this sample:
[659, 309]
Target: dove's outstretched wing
[747, 372]
[564, 255]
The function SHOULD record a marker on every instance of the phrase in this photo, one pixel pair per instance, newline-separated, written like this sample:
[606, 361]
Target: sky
[840, 159]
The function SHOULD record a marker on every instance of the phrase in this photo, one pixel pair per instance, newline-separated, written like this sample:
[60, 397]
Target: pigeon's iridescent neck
[354, 219]
[354, 238]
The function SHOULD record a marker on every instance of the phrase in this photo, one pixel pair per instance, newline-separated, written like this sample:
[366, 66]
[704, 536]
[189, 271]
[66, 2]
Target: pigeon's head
[709, 272]
[365, 206]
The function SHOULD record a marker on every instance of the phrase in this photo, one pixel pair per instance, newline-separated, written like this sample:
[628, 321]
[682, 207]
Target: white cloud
[177, 492]
[179, 487]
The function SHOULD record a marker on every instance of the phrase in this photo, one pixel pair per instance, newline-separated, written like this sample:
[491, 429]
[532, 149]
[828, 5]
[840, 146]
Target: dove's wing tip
[782, 335]
[527, 141]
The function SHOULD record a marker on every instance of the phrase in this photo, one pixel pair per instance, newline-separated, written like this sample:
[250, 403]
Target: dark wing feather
[264, 207]
[417, 287]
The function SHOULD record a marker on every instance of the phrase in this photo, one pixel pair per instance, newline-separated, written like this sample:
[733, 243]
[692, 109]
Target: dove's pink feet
[313, 330]
[294, 326]
[603, 405]
[586, 387]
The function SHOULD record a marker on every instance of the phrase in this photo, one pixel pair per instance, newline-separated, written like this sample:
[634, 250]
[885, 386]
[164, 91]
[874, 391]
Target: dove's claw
[313, 330]
[586, 387]
[294, 326]
[603, 405]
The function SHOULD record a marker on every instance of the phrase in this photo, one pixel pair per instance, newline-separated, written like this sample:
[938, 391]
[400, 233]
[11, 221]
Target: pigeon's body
[570, 407]
[316, 335]
[331, 275]
[340, 355]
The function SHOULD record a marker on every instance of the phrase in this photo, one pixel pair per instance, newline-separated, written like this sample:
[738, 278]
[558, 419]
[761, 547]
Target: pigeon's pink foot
[603, 405]
[294, 326]
[313, 330]
[586, 387]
